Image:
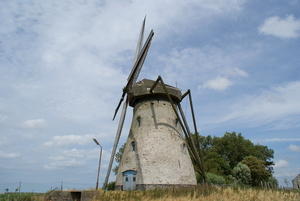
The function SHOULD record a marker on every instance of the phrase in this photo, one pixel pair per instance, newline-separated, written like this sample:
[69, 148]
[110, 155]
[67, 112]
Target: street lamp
[97, 143]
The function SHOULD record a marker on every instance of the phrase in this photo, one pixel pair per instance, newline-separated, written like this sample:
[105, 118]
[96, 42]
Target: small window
[133, 146]
[126, 179]
[138, 122]
[176, 123]
[133, 179]
[184, 148]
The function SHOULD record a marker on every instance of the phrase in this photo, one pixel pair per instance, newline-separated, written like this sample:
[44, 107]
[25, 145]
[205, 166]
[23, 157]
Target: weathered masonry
[155, 153]
[296, 182]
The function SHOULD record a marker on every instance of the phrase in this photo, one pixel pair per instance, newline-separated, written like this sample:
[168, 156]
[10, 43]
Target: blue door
[129, 180]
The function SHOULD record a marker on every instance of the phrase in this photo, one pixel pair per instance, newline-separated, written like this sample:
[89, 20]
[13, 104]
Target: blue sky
[63, 65]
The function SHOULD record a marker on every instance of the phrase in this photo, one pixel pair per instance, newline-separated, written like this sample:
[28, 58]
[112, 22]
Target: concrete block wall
[72, 195]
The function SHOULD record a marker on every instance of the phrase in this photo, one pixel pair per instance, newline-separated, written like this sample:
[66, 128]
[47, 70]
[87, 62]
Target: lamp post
[97, 143]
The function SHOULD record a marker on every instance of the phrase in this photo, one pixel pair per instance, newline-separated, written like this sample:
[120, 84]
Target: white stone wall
[161, 156]
[296, 182]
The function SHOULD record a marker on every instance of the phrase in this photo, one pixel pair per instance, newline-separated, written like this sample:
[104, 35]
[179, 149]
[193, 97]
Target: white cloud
[278, 106]
[281, 164]
[75, 153]
[94, 154]
[281, 139]
[28, 136]
[237, 72]
[34, 123]
[69, 139]
[284, 173]
[219, 83]
[4, 114]
[75, 158]
[2, 118]
[57, 158]
[276, 140]
[73, 139]
[4, 142]
[9, 155]
[80, 153]
[283, 28]
[294, 148]
[61, 164]
[211, 66]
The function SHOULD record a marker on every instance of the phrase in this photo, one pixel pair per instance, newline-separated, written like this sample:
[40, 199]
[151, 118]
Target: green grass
[199, 193]
[21, 196]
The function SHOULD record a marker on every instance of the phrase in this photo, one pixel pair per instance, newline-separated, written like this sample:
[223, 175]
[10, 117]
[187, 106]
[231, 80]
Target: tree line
[232, 158]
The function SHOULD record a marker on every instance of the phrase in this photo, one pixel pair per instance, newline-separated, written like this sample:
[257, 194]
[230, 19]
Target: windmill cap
[141, 90]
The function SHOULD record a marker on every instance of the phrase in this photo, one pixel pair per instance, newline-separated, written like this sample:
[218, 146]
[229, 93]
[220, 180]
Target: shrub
[242, 173]
[215, 179]
[273, 181]
[258, 170]
[110, 186]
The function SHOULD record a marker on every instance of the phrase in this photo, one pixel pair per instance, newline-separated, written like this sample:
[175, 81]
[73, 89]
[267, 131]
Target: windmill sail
[139, 45]
[138, 63]
[135, 70]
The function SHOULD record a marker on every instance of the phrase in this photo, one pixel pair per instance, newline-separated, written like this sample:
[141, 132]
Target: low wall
[71, 195]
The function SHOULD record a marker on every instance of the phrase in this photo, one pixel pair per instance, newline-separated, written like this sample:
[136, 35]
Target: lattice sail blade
[117, 138]
[138, 64]
[138, 47]
[139, 68]
[140, 57]
[139, 44]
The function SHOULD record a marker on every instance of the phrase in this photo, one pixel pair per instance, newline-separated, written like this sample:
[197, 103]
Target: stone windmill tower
[158, 147]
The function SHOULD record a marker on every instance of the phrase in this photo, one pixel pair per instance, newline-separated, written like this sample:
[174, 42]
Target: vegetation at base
[236, 159]
[211, 179]
[200, 193]
[21, 196]
[110, 186]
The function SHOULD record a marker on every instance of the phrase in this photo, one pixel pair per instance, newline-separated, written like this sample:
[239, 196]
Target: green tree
[118, 158]
[265, 154]
[258, 170]
[242, 173]
[205, 143]
[286, 182]
[234, 148]
[110, 186]
[216, 164]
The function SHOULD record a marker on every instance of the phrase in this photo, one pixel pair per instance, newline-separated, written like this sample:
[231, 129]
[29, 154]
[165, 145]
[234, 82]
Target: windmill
[156, 153]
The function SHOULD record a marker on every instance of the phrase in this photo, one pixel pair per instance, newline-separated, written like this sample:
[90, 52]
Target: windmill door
[129, 180]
